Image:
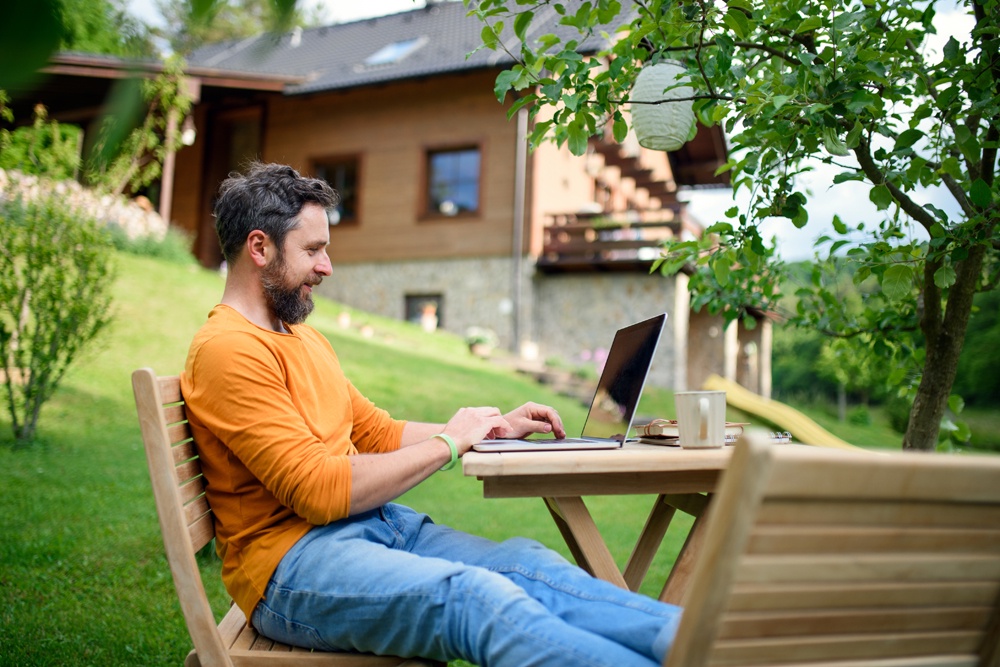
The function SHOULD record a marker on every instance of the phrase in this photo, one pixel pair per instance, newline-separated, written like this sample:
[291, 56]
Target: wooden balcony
[579, 243]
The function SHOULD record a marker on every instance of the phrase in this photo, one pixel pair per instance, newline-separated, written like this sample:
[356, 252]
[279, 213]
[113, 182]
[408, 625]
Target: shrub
[860, 416]
[55, 298]
[898, 410]
[46, 148]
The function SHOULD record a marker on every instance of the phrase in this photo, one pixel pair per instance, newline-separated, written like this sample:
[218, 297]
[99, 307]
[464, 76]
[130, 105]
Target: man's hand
[531, 418]
[470, 425]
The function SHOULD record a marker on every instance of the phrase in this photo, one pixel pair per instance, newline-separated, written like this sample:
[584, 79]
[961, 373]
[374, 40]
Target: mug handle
[703, 419]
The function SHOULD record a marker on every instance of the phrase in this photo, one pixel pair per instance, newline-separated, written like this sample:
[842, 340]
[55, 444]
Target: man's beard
[287, 303]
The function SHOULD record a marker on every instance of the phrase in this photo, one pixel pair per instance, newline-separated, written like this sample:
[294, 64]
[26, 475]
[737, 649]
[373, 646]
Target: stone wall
[135, 218]
[474, 292]
[572, 317]
[576, 316]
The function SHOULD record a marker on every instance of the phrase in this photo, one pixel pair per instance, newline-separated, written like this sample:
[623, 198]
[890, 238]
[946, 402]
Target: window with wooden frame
[342, 175]
[453, 177]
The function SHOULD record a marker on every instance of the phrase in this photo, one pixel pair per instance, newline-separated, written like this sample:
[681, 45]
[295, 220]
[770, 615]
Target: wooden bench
[833, 558]
[187, 525]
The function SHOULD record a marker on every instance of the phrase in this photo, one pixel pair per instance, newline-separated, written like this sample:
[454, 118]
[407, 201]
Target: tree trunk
[945, 335]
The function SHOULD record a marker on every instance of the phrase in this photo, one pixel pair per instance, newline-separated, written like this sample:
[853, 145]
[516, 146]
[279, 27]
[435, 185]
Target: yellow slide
[783, 416]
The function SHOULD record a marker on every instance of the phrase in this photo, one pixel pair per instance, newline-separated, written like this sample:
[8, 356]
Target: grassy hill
[83, 579]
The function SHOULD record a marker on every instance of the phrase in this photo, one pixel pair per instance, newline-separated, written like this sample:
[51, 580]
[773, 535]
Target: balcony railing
[579, 242]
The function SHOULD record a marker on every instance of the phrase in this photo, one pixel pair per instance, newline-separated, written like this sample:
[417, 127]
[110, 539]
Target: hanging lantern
[668, 125]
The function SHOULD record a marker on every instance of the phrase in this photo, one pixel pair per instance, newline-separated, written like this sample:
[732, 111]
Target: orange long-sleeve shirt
[274, 419]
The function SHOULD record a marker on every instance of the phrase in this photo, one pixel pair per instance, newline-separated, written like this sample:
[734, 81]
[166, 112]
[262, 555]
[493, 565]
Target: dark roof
[333, 57]
[76, 87]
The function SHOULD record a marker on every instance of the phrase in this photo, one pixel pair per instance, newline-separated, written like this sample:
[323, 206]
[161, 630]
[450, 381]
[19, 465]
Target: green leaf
[897, 282]
[503, 83]
[944, 277]
[519, 103]
[907, 139]
[832, 143]
[720, 267]
[720, 228]
[839, 225]
[521, 23]
[809, 24]
[620, 129]
[845, 176]
[962, 432]
[801, 219]
[577, 137]
[854, 136]
[737, 21]
[490, 40]
[980, 193]
[669, 267]
[956, 404]
[861, 100]
[881, 197]
[896, 376]
[952, 49]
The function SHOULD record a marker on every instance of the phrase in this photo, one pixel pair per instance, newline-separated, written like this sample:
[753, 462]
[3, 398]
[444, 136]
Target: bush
[860, 416]
[46, 148]
[55, 298]
[897, 408]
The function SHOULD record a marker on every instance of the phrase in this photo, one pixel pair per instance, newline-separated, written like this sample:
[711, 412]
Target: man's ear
[259, 247]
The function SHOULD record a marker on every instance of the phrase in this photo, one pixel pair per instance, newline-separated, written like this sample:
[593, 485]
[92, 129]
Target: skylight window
[393, 53]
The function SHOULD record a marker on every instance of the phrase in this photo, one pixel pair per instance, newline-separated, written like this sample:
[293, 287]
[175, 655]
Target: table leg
[584, 540]
[680, 574]
[649, 542]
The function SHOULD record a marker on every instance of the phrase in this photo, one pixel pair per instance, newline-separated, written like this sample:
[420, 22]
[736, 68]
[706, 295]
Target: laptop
[615, 400]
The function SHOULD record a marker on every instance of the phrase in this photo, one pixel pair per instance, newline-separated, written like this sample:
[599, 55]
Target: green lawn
[83, 579]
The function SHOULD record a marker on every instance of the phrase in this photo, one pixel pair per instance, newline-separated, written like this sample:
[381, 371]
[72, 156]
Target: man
[302, 469]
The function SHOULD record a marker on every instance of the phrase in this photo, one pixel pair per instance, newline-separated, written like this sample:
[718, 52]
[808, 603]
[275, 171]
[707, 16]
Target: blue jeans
[393, 582]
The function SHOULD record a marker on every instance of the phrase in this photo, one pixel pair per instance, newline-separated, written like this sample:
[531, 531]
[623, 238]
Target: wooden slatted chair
[847, 559]
[187, 526]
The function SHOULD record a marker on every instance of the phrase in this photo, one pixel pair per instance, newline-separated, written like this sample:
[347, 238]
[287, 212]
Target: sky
[848, 200]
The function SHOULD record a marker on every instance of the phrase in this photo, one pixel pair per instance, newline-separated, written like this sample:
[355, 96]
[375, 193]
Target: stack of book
[664, 432]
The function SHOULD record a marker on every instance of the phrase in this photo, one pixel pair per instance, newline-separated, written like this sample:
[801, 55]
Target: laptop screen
[622, 380]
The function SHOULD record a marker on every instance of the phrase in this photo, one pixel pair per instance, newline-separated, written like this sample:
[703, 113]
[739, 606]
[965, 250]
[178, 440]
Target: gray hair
[268, 198]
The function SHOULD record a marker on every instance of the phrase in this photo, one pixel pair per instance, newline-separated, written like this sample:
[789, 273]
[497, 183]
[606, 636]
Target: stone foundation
[572, 317]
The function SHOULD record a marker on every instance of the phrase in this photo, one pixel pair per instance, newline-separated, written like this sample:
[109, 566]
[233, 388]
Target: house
[445, 213]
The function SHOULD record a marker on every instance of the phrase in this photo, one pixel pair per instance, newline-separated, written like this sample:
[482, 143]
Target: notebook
[615, 399]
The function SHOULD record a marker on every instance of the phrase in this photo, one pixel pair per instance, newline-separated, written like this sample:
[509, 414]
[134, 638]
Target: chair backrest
[847, 559]
[185, 517]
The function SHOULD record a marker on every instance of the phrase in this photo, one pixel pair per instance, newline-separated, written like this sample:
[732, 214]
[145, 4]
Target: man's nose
[324, 267]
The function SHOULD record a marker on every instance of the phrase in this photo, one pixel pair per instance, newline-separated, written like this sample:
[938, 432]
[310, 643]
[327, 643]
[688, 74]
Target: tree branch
[875, 175]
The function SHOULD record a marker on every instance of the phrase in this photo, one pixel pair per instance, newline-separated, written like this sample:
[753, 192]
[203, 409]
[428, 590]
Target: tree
[55, 298]
[194, 23]
[102, 26]
[850, 83]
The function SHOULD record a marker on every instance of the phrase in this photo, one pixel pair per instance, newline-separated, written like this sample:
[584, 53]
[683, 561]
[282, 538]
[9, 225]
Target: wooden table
[682, 479]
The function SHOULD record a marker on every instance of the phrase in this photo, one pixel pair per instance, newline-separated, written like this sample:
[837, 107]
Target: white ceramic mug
[701, 418]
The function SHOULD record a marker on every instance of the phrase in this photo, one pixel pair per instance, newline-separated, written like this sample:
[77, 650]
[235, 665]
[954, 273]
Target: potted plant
[481, 341]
